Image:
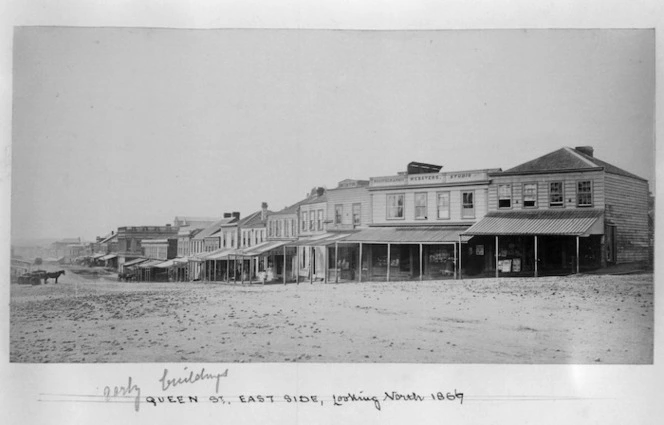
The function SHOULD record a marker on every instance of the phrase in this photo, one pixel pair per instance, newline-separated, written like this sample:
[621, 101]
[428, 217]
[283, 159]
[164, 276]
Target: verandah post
[284, 271]
[421, 262]
[536, 256]
[578, 260]
[336, 262]
[496, 255]
[360, 265]
[388, 262]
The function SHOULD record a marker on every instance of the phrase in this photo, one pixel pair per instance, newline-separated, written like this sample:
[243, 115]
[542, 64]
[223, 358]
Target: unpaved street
[583, 319]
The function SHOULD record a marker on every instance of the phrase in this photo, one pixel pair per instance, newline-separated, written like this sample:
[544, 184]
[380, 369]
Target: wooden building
[560, 213]
[417, 217]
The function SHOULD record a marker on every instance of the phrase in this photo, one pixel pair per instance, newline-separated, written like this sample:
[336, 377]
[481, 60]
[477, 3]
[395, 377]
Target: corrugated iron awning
[405, 235]
[320, 240]
[576, 222]
[166, 264]
[222, 254]
[134, 262]
[98, 255]
[151, 263]
[263, 248]
[108, 257]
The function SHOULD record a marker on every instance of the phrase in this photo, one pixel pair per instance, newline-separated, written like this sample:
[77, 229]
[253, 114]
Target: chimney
[236, 214]
[588, 150]
[320, 191]
[228, 215]
[263, 211]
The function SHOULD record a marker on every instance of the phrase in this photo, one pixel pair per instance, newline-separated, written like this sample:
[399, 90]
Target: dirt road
[578, 319]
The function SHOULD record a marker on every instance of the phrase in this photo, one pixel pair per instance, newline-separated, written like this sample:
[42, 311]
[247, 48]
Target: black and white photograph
[332, 196]
[299, 198]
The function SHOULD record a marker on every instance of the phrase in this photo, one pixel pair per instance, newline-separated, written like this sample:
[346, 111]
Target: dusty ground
[583, 319]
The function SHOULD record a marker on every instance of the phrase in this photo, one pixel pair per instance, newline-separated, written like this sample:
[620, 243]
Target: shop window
[556, 194]
[468, 205]
[584, 194]
[395, 206]
[420, 206]
[530, 195]
[505, 196]
[357, 214]
[443, 202]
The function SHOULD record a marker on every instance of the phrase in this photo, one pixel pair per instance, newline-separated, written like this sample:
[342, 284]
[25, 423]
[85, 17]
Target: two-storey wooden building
[416, 218]
[563, 212]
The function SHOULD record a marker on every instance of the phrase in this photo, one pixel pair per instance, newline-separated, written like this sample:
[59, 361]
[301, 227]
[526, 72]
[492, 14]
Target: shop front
[534, 243]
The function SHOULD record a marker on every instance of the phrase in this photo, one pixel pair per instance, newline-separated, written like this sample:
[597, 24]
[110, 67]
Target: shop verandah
[392, 254]
[534, 243]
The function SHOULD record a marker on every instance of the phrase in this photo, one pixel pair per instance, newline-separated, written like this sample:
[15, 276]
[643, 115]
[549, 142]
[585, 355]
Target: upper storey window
[584, 194]
[395, 206]
[556, 194]
[505, 196]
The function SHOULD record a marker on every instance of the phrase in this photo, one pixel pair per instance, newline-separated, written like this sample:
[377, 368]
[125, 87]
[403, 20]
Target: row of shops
[389, 254]
[565, 212]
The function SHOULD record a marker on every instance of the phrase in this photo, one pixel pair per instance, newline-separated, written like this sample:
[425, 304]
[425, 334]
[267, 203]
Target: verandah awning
[135, 261]
[107, 257]
[151, 263]
[407, 235]
[576, 222]
[262, 248]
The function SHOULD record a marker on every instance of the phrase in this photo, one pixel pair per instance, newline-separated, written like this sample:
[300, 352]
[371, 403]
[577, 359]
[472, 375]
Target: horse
[54, 275]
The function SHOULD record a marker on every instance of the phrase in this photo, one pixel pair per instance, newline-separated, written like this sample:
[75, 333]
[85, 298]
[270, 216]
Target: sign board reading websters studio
[432, 179]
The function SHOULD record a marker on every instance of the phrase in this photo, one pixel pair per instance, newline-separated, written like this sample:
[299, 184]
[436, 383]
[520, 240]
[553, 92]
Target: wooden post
[360, 265]
[234, 269]
[251, 272]
[536, 255]
[388, 261]
[496, 255]
[228, 268]
[297, 269]
[421, 267]
[336, 262]
[311, 265]
[325, 263]
[578, 260]
[242, 271]
[460, 253]
[455, 262]
[284, 271]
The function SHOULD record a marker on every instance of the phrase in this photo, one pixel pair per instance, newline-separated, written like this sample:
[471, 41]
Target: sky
[129, 126]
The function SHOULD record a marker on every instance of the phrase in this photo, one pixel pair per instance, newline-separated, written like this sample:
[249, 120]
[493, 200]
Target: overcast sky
[115, 127]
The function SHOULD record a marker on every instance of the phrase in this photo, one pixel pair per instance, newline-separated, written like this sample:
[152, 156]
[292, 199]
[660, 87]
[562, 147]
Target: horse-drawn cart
[32, 278]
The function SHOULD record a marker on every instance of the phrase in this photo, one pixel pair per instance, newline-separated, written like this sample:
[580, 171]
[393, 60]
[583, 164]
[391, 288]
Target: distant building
[130, 240]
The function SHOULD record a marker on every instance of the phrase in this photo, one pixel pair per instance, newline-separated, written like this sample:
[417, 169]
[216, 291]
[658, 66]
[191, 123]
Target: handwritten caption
[169, 382]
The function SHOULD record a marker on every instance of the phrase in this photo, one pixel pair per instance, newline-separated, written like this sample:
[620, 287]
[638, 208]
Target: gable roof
[109, 237]
[566, 159]
[213, 228]
[315, 199]
[293, 208]
[254, 219]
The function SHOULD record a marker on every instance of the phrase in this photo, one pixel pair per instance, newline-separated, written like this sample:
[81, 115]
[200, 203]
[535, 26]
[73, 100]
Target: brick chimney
[236, 214]
[228, 215]
[588, 150]
[263, 211]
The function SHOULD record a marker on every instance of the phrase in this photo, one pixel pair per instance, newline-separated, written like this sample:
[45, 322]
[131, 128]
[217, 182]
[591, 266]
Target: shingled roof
[566, 159]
